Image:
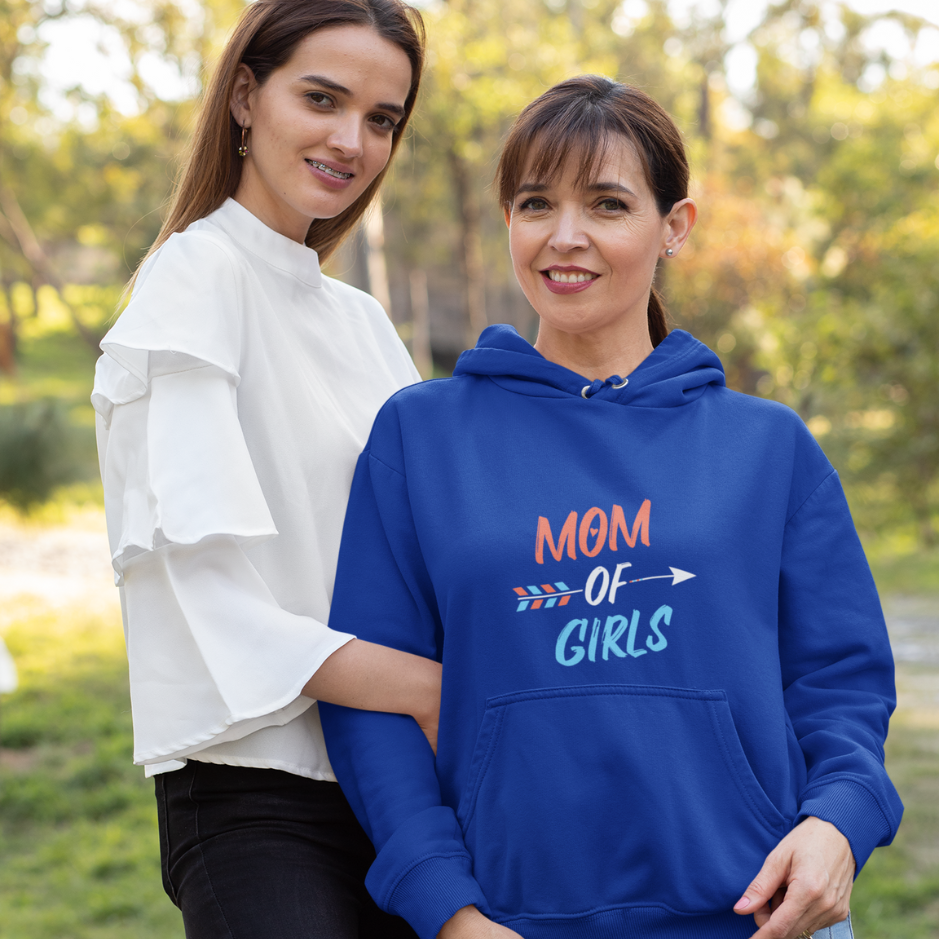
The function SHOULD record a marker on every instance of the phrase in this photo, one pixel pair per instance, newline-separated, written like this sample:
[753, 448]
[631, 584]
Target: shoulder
[366, 316]
[412, 417]
[189, 300]
[352, 301]
[437, 394]
[194, 253]
[778, 433]
[758, 413]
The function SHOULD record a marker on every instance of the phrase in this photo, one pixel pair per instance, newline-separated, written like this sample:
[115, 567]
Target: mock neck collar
[270, 246]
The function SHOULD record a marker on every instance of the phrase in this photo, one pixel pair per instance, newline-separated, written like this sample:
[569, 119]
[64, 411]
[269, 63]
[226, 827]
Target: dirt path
[56, 567]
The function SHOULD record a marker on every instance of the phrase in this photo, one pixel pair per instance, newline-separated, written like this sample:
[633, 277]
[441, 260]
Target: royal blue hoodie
[662, 646]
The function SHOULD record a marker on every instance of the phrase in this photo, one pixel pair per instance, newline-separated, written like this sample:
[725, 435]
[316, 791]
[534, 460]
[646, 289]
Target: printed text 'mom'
[591, 535]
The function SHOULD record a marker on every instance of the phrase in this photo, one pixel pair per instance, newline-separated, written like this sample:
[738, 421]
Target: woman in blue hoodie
[667, 678]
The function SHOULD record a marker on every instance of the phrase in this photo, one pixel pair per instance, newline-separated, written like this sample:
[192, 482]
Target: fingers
[813, 899]
[771, 878]
[805, 908]
[762, 915]
[804, 884]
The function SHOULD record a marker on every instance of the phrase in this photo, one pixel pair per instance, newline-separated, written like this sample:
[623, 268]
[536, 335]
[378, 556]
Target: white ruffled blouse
[234, 396]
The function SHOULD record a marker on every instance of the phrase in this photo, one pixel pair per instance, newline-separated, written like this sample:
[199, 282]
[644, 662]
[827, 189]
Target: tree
[68, 186]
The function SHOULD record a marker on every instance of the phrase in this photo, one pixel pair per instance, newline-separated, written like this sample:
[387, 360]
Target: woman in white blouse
[234, 396]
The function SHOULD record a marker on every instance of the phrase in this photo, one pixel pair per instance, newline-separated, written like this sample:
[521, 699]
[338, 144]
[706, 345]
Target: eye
[534, 204]
[611, 205]
[319, 98]
[383, 122]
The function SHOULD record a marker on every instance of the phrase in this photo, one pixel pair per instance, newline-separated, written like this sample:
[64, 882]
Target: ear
[677, 226]
[242, 89]
[507, 215]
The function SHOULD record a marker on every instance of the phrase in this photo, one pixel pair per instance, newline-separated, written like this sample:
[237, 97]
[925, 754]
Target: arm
[837, 672]
[213, 655]
[367, 676]
[423, 871]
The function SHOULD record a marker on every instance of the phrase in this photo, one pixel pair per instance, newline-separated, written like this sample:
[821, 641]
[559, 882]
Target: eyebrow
[591, 187]
[330, 85]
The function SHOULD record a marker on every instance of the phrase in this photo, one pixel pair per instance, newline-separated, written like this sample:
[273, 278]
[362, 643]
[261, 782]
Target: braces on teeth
[329, 170]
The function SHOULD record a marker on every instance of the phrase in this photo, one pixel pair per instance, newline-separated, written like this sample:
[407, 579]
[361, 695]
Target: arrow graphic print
[547, 596]
[677, 576]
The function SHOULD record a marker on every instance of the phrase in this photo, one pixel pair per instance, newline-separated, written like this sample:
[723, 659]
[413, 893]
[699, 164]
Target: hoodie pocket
[594, 796]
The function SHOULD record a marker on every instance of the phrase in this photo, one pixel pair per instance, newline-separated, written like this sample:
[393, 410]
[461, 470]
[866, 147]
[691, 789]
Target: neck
[262, 204]
[600, 354]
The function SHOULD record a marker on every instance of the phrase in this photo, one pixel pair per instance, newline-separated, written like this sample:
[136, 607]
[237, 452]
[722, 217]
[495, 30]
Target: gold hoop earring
[243, 149]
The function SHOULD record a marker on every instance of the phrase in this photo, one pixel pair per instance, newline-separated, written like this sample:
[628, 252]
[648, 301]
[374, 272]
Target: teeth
[573, 278]
[329, 170]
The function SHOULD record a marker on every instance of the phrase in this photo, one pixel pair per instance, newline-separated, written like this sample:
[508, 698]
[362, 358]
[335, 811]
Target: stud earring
[670, 252]
[243, 149]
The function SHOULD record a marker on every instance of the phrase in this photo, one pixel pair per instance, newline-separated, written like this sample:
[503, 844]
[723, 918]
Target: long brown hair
[264, 39]
[580, 118]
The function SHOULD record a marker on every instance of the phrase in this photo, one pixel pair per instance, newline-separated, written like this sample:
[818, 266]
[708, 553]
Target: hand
[469, 923]
[804, 884]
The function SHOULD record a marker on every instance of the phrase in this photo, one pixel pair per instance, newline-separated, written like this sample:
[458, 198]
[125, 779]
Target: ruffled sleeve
[174, 462]
[213, 656]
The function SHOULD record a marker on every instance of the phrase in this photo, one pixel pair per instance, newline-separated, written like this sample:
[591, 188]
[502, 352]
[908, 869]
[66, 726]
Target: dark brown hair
[579, 119]
[264, 39]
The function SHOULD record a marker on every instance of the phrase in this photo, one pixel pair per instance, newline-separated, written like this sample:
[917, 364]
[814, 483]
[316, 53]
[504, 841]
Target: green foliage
[35, 452]
[901, 566]
[811, 271]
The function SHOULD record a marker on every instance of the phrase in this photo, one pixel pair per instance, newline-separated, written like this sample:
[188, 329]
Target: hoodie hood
[677, 371]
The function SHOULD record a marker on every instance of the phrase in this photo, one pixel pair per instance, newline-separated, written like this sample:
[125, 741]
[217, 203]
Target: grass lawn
[80, 857]
[78, 826]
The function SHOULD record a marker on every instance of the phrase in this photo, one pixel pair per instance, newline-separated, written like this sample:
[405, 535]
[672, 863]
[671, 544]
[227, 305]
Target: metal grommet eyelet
[583, 391]
[622, 384]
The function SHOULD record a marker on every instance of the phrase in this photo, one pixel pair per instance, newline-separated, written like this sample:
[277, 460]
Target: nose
[569, 234]
[346, 136]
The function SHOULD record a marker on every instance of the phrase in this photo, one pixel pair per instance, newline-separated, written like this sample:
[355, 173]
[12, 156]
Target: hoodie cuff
[854, 811]
[430, 893]
[423, 873]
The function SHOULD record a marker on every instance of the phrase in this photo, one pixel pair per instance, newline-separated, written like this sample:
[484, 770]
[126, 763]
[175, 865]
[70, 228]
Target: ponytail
[658, 317]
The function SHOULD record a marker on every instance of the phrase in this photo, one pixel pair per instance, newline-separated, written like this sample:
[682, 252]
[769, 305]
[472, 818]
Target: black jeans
[257, 853]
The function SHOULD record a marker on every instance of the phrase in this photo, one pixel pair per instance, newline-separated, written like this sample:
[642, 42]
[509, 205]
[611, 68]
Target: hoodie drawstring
[614, 381]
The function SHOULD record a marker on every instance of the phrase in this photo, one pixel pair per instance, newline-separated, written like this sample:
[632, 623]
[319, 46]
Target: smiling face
[320, 127]
[585, 252]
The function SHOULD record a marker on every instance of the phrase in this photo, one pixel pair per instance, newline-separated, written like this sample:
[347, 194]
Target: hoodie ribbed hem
[636, 923]
[852, 808]
[431, 892]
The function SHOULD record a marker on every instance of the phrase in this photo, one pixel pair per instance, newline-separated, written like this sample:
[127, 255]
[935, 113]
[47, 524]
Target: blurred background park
[813, 131]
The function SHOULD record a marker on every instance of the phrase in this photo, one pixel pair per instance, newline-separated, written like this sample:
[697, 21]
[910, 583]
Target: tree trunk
[15, 228]
[704, 109]
[920, 503]
[472, 244]
[375, 252]
[7, 358]
[8, 333]
[420, 324]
